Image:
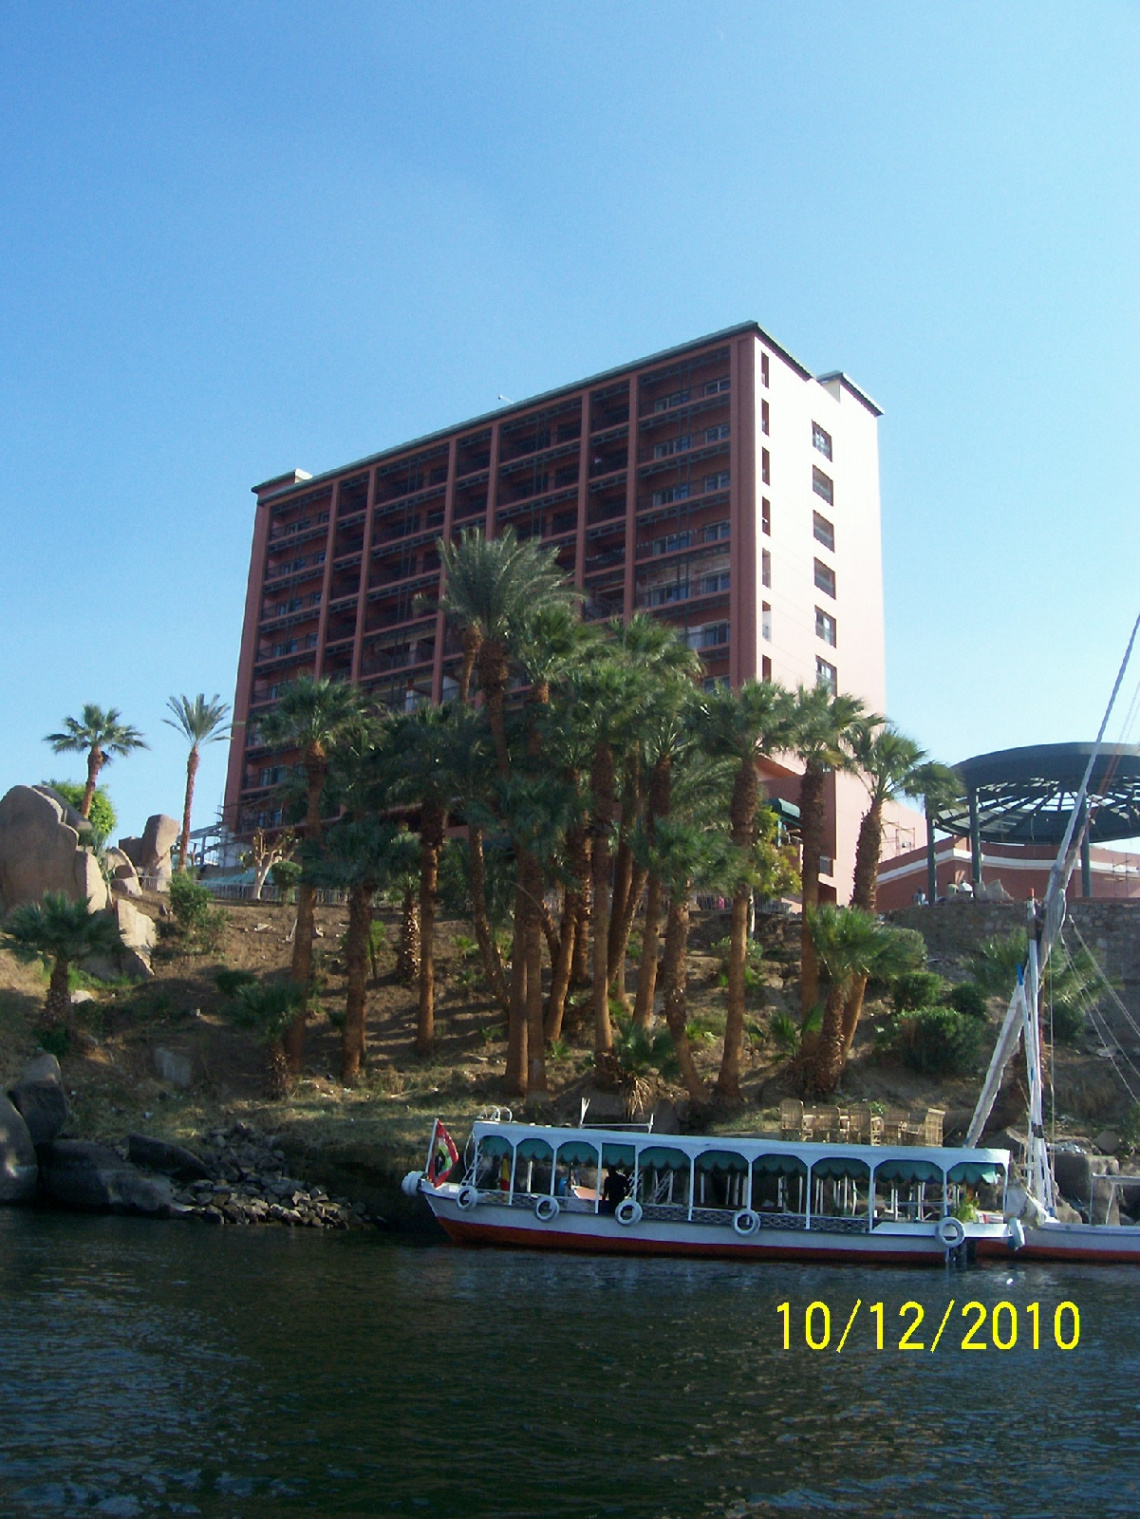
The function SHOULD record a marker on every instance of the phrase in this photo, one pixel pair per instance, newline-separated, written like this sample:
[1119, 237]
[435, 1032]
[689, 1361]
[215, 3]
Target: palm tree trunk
[535, 1033]
[602, 784]
[650, 944]
[184, 842]
[560, 968]
[826, 1066]
[301, 970]
[811, 826]
[471, 642]
[865, 890]
[622, 927]
[432, 824]
[864, 894]
[356, 957]
[745, 792]
[278, 1070]
[581, 861]
[58, 1011]
[488, 944]
[514, 1078]
[94, 765]
[852, 1012]
[674, 973]
[408, 956]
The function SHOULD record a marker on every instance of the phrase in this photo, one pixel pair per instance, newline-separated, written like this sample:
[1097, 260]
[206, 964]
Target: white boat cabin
[710, 1180]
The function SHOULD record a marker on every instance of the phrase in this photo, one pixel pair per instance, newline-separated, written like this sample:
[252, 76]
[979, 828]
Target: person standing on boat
[614, 1189]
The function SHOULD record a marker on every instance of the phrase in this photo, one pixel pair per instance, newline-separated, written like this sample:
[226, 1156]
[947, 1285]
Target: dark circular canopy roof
[1026, 796]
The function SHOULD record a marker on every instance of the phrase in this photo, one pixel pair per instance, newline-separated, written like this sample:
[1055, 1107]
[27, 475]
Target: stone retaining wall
[1110, 929]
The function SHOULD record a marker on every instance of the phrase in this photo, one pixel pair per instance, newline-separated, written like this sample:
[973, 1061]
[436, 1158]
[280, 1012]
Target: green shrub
[1068, 1022]
[915, 989]
[197, 921]
[229, 980]
[785, 1032]
[102, 817]
[938, 1041]
[968, 997]
[1130, 1128]
[285, 875]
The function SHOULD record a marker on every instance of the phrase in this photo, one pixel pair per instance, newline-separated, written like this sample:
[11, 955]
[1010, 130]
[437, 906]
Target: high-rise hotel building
[719, 485]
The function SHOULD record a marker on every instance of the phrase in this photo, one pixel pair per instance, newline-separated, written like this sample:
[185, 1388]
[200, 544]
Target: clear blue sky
[239, 237]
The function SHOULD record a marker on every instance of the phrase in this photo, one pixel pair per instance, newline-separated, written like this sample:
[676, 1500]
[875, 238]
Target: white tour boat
[644, 1193]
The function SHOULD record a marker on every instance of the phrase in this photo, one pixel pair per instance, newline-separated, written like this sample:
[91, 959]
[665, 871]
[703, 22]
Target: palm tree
[494, 589]
[361, 856]
[849, 943]
[888, 764]
[820, 724]
[312, 715]
[59, 931]
[940, 787]
[202, 722]
[494, 586]
[744, 725]
[270, 1008]
[101, 736]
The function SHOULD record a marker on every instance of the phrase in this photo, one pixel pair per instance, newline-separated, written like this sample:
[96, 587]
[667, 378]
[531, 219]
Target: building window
[672, 446]
[666, 403]
[766, 621]
[765, 567]
[824, 531]
[714, 531]
[825, 675]
[764, 370]
[765, 466]
[765, 516]
[710, 636]
[825, 626]
[765, 667]
[711, 584]
[766, 418]
[670, 493]
[824, 578]
[714, 387]
[715, 434]
[823, 485]
[821, 439]
[718, 482]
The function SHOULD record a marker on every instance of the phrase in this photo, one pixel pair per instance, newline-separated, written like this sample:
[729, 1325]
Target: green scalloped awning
[494, 1144]
[721, 1160]
[974, 1171]
[535, 1149]
[779, 1165]
[908, 1170]
[664, 1157]
[575, 1152]
[839, 1166]
[617, 1155]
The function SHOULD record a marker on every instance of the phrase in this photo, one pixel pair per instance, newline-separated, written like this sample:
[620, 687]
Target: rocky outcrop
[124, 877]
[41, 850]
[40, 1099]
[77, 1173]
[139, 937]
[172, 1160]
[150, 855]
[19, 1172]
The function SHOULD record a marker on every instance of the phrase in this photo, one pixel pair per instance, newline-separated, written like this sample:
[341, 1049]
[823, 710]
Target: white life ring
[546, 1209]
[628, 1212]
[746, 1222]
[467, 1198]
[951, 1231]
[411, 1183]
[1016, 1234]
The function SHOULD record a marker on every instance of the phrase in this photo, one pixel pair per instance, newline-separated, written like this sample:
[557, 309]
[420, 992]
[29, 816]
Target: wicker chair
[791, 1118]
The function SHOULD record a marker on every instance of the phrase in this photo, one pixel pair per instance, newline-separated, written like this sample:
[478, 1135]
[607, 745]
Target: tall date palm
[100, 735]
[202, 722]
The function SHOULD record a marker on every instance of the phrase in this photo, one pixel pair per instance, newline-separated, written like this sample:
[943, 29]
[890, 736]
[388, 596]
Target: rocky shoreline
[238, 1176]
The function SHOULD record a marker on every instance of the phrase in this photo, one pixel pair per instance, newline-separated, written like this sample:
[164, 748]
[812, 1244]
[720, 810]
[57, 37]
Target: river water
[150, 1368]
